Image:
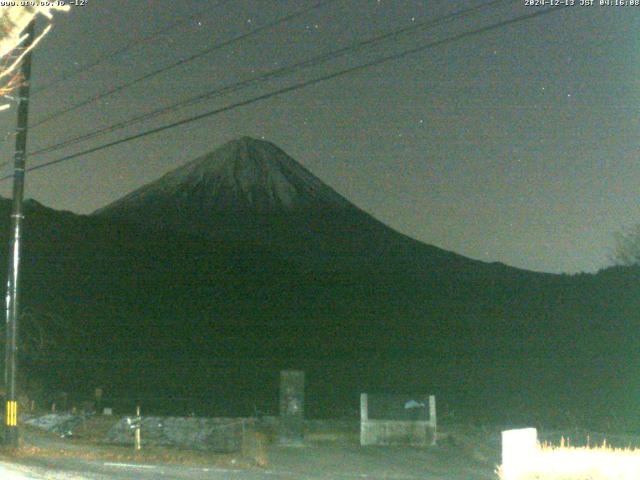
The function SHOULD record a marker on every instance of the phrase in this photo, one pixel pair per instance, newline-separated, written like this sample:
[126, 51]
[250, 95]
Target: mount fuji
[243, 261]
[244, 175]
[251, 192]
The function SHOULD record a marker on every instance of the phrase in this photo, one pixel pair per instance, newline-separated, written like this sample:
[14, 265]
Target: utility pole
[11, 351]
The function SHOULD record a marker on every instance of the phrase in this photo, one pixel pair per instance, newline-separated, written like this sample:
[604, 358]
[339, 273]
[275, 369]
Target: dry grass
[254, 448]
[579, 463]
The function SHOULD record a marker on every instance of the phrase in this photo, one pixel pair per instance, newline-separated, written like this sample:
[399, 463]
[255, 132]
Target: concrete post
[519, 451]
[291, 407]
[364, 419]
[432, 410]
[433, 421]
[364, 407]
[137, 437]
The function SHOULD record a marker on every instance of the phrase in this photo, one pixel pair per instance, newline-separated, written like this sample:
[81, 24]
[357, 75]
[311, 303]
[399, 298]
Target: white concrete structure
[519, 451]
[381, 431]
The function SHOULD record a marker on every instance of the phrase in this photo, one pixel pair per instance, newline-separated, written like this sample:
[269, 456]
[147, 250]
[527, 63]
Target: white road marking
[128, 465]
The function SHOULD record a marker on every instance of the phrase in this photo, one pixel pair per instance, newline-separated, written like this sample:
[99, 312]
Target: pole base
[11, 436]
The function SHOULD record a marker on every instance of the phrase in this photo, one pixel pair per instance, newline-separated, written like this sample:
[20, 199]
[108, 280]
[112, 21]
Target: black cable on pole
[298, 86]
[314, 61]
[136, 42]
[183, 61]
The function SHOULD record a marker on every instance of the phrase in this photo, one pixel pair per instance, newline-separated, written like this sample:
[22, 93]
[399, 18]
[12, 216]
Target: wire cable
[297, 86]
[136, 42]
[314, 61]
[180, 62]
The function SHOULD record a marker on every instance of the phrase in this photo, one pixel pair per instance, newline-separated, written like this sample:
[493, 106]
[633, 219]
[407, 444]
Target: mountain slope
[166, 293]
[250, 191]
[244, 175]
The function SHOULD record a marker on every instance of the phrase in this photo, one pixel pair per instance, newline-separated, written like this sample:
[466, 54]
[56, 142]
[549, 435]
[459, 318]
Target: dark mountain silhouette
[250, 191]
[244, 175]
[193, 291]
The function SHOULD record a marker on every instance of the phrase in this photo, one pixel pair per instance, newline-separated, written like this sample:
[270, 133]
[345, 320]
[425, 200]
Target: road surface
[73, 469]
[66, 469]
[70, 469]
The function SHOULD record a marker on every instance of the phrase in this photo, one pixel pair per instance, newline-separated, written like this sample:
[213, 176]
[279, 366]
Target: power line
[180, 62]
[297, 86]
[136, 42]
[314, 61]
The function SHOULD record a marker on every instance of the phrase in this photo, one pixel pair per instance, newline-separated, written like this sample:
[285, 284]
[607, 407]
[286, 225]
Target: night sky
[518, 145]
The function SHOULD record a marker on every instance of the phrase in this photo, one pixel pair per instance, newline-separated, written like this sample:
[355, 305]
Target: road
[73, 469]
[70, 469]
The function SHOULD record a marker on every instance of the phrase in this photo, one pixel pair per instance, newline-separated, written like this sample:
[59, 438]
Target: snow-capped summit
[244, 175]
